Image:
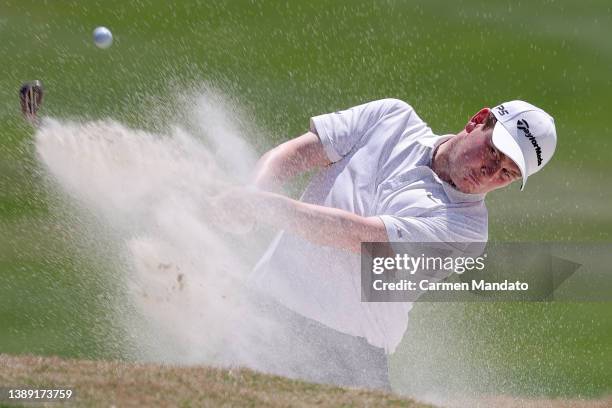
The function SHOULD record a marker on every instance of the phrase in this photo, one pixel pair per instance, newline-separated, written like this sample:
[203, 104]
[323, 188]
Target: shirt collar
[454, 195]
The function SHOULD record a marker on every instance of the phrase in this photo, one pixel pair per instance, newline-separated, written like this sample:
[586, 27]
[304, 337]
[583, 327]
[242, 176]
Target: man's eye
[506, 174]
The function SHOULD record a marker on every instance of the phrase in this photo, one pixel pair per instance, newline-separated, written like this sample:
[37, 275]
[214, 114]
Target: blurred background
[283, 62]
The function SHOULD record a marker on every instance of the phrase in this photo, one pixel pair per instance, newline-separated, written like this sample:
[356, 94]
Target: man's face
[477, 166]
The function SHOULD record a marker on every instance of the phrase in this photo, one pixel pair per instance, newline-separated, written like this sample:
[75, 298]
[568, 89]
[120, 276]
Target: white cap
[526, 134]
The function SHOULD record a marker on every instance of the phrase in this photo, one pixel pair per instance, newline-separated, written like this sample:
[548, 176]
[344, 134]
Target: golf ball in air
[103, 38]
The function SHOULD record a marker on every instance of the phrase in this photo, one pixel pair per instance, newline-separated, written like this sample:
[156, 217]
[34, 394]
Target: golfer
[381, 175]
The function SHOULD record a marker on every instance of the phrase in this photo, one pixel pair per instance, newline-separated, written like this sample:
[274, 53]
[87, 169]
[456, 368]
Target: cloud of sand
[183, 277]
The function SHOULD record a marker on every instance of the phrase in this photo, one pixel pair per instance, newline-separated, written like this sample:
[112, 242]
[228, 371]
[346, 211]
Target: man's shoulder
[399, 115]
[394, 104]
[473, 209]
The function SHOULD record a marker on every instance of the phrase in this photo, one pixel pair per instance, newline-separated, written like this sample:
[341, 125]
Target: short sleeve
[438, 228]
[435, 236]
[340, 131]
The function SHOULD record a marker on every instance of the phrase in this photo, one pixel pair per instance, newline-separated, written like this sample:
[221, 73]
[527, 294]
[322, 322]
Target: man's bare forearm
[288, 160]
[271, 173]
[321, 225]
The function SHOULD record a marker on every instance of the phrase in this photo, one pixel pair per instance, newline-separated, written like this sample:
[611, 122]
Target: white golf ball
[102, 37]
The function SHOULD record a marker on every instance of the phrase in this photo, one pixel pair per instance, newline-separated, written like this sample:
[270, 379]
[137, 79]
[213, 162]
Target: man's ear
[478, 119]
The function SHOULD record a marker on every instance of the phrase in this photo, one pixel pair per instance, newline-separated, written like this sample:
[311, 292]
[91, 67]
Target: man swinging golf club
[382, 175]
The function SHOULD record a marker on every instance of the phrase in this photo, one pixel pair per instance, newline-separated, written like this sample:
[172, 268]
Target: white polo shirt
[381, 153]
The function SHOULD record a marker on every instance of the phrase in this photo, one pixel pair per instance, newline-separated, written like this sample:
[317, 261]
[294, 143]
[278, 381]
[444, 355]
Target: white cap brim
[503, 140]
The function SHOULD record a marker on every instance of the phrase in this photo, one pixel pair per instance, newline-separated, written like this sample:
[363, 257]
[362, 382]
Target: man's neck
[440, 161]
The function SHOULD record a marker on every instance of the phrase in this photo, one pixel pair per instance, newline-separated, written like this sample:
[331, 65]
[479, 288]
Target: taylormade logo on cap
[526, 134]
[524, 126]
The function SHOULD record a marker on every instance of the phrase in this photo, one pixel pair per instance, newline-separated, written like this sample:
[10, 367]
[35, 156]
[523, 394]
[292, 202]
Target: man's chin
[468, 187]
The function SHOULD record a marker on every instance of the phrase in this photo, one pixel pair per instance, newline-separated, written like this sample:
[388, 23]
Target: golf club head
[31, 97]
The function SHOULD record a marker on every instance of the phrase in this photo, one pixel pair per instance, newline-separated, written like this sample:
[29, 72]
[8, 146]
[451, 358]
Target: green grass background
[286, 61]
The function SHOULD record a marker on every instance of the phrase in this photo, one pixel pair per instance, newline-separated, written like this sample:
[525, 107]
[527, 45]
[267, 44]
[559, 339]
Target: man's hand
[233, 210]
[238, 208]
